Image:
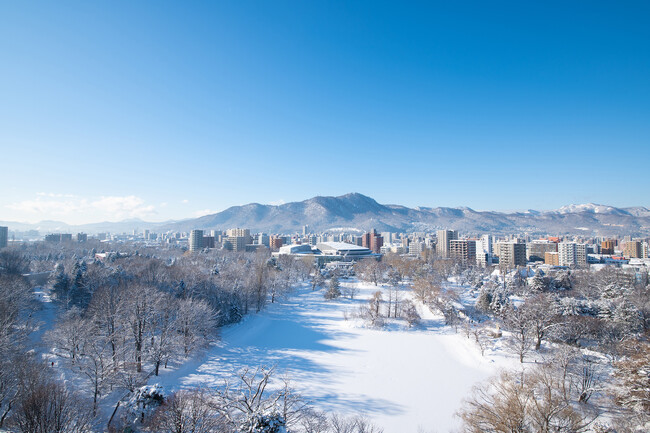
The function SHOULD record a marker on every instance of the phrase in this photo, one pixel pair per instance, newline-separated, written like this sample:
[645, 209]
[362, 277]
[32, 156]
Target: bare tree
[410, 313]
[195, 323]
[518, 323]
[46, 406]
[187, 411]
[163, 326]
[142, 303]
[632, 375]
[247, 396]
[13, 262]
[524, 402]
[370, 270]
[542, 316]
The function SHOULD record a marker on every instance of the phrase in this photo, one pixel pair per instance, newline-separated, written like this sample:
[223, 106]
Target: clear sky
[159, 110]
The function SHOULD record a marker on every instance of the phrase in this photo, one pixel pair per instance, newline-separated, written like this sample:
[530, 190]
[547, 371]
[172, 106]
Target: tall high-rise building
[444, 238]
[511, 254]
[415, 247]
[633, 249]
[607, 247]
[4, 236]
[572, 254]
[372, 241]
[463, 250]
[196, 240]
[237, 239]
[275, 243]
[208, 242]
[484, 251]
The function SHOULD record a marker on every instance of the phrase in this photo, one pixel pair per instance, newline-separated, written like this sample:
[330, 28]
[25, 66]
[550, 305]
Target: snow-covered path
[401, 379]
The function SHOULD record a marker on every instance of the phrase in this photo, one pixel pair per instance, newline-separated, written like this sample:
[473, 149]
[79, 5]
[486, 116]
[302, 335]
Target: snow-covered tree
[317, 280]
[633, 375]
[333, 288]
[410, 313]
[521, 338]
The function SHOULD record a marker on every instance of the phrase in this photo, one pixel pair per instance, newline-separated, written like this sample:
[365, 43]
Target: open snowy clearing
[402, 379]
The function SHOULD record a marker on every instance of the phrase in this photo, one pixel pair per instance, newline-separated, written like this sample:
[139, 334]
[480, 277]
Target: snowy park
[402, 379]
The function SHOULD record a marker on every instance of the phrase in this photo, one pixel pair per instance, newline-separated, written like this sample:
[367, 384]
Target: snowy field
[405, 380]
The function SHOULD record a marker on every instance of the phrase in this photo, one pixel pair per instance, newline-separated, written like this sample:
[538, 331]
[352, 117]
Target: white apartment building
[196, 240]
[572, 254]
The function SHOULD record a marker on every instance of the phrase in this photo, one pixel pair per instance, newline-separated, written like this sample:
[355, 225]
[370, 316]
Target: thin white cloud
[200, 213]
[277, 202]
[124, 207]
[79, 209]
[55, 195]
[185, 201]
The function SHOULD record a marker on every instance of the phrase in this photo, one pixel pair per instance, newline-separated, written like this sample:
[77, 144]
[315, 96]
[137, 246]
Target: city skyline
[121, 111]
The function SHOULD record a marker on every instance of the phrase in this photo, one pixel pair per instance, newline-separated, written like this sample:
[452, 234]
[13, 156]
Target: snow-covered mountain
[591, 208]
[359, 211]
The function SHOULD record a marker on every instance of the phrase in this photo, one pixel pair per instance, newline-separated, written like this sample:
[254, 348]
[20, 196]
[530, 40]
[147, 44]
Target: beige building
[237, 239]
[551, 258]
[633, 249]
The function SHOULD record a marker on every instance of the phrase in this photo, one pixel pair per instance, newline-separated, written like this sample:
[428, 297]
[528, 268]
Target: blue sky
[161, 110]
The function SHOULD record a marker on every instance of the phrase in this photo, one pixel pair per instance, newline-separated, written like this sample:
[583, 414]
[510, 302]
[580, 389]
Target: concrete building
[608, 247]
[209, 242]
[416, 247]
[444, 238]
[263, 239]
[4, 236]
[275, 243]
[536, 250]
[82, 237]
[511, 254]
[53, 238]
[196, 240]
[463, 250]
[572, 254]
[372, 241]
[484, 251]
[551, 258]
[238, 232]
[236, 243]
[237, 239]
[633, 249]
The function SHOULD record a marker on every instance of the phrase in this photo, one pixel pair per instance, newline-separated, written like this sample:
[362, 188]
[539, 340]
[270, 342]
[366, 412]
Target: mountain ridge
[355, 210]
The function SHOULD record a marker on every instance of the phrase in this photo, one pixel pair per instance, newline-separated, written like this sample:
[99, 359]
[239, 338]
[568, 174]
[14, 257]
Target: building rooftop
[342, 246]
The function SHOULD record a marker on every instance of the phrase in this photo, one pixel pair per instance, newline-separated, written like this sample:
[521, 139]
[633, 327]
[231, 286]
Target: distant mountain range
[358, 212]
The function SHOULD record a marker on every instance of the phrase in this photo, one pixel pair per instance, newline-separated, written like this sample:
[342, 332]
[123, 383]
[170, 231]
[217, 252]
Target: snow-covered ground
[402, 379]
